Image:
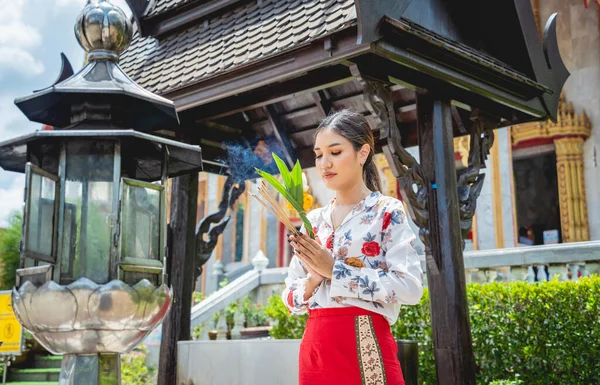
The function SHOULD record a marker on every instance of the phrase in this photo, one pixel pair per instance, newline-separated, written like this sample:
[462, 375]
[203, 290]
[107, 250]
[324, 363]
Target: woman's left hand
[313, 254]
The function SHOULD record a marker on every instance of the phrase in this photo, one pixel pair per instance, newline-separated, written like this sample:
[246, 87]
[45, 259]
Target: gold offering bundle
[292, 190]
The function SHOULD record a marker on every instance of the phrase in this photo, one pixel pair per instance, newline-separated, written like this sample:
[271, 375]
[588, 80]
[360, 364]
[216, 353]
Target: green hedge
[10, 238]
[134, 370]
[286, 325]
[541, 334]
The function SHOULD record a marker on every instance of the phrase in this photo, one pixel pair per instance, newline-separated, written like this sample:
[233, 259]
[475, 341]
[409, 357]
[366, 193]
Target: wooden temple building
[179, 54]
[436, 79]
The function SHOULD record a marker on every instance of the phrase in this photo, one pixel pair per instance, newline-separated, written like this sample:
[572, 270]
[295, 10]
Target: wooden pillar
[571, 189]
[180, 270]
[452, 342]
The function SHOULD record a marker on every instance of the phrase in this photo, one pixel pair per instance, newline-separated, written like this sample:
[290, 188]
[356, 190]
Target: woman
[353, 285]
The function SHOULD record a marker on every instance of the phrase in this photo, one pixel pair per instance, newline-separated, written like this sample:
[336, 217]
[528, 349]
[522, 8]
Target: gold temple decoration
[389, 182]
[568, 135]
[568, 123]
[571, 189]
[497, 195]
[462, 145]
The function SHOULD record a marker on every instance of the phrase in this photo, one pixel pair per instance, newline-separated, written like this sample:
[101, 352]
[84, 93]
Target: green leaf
[297, 180]
[280, 188]
[283, 170]
[292, 189]
[307, 224]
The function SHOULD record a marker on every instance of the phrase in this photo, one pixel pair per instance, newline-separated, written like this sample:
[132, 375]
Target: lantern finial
[103, 30]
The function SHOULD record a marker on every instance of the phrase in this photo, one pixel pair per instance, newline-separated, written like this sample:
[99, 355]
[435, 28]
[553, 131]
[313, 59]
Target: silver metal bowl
[87, 318]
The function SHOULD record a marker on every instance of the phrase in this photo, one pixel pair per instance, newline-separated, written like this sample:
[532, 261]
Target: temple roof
[161, 6]
[245, 34]
[245, 72]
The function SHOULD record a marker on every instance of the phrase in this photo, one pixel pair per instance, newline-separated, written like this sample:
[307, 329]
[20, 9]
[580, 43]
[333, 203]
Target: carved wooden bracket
[470, 180]
[403, 165]
[413, 184]
[213, 225]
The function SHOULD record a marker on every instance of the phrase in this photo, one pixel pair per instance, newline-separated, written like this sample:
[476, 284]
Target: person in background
[524, 239]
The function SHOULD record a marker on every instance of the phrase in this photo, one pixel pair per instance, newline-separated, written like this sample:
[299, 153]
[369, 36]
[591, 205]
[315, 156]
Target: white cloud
[19, 60]
[9, 116]
[17, 38]
[16, 34]
[11, 198]
[66, 3]
[12, 121]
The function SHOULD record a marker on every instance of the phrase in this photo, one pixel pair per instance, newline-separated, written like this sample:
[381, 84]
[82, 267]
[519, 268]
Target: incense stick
[281, 215]
[274, 209]
[271, 210]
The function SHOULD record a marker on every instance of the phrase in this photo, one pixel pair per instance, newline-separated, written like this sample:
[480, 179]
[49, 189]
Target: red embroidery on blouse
[370, 249]
[387, 220]
[330, 242]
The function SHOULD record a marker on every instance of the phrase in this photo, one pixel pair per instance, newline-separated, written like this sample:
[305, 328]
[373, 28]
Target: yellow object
[353, 261]
[11, 331]
[571, 189]
[306, 204]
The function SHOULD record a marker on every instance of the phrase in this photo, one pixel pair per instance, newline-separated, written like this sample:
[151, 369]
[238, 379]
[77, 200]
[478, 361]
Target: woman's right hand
[314, 278]
[314, 281]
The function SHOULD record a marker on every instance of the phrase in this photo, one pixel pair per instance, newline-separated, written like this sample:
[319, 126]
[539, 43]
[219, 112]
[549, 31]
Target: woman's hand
[314, 278]
[316, 258]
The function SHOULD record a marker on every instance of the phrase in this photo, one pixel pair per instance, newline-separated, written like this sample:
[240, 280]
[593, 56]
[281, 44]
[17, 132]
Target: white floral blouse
[376, 267]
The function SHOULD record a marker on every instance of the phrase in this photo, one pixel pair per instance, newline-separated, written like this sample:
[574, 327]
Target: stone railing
[565, 261]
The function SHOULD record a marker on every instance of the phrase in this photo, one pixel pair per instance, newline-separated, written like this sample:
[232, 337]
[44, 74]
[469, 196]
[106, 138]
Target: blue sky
[33, 33]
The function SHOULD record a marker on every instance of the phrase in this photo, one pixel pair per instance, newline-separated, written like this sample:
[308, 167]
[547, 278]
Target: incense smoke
[244, 157]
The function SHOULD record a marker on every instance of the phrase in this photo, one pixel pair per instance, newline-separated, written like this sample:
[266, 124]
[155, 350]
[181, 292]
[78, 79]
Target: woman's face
[337, 162]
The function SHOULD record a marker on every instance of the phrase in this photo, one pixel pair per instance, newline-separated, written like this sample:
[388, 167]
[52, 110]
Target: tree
[10, 238]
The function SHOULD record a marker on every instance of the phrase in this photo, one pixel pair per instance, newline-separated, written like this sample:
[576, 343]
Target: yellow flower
[308, 202]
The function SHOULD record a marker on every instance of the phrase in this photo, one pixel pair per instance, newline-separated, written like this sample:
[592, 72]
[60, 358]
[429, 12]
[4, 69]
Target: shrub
[10, 239]
[254, 314]
[507, 382]
[547, 333]
[285, 326]
[414, 323]
[134, 370]
[543, 334]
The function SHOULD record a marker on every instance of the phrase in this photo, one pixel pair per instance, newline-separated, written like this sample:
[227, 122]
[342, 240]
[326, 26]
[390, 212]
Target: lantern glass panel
[89, 209]
[40, 216]
[141, 220]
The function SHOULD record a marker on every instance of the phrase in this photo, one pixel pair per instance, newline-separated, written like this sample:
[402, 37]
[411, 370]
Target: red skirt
[349, 346]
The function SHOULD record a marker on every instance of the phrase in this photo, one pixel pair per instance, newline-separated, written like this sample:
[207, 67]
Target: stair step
[33, 375]
[47, 362]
